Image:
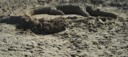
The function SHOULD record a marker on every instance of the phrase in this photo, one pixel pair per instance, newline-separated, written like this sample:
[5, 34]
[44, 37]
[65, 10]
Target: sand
[83, 37]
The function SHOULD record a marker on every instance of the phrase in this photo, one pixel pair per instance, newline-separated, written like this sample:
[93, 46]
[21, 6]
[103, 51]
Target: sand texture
[63, 28]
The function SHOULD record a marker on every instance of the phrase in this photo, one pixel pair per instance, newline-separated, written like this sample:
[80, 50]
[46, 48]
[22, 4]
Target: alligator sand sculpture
[59, 10]
[58, 24]
[71, 9]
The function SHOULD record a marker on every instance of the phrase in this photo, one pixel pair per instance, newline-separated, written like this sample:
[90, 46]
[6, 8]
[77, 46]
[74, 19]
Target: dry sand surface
[104, 33]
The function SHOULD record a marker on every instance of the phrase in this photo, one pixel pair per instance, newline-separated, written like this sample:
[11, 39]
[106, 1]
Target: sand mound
[38, 26]
[98, 12]
[41, 26]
